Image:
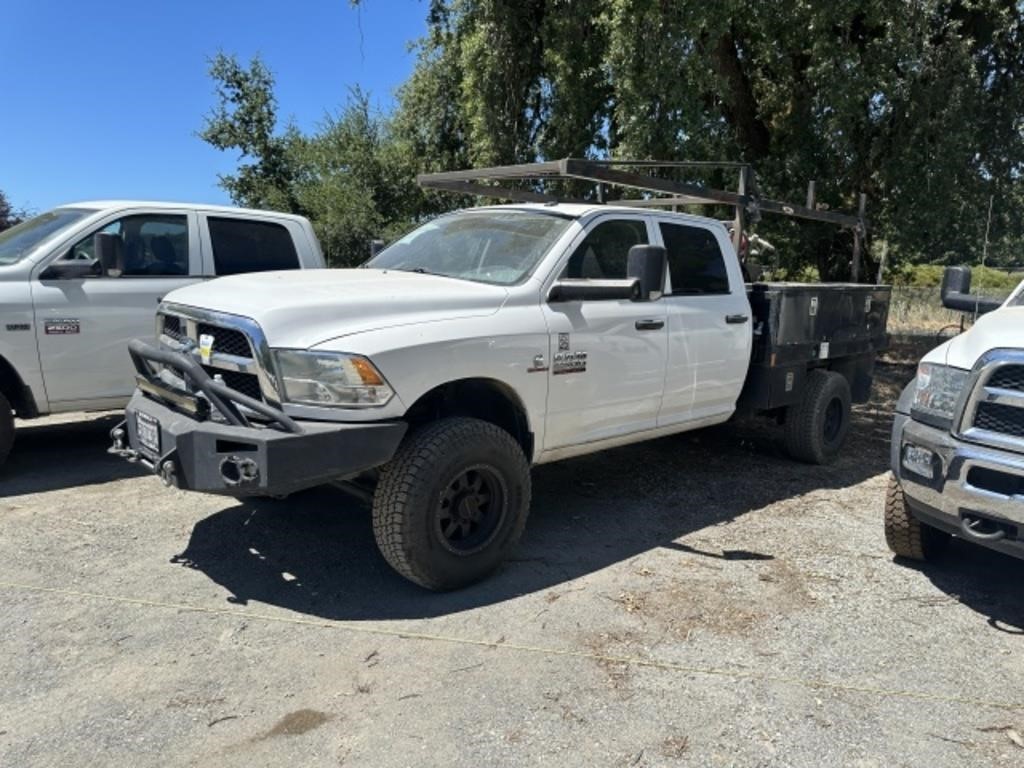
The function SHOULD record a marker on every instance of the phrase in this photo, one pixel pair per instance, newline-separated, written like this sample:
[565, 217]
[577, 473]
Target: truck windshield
[1018, 297]
[18, 241]
[497, 247]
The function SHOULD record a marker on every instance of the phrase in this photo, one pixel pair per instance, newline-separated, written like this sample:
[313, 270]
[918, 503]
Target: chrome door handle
[736, 318]
[649, 325]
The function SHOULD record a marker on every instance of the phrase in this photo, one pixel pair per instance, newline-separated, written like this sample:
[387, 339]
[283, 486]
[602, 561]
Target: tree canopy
[918, 103]
[8, 216]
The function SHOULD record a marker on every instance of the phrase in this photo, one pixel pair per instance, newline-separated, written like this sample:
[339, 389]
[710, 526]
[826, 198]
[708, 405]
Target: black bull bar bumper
[200, 435]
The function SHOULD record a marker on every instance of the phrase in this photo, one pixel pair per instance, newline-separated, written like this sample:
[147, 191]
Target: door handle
[649, 325]
[736, 318]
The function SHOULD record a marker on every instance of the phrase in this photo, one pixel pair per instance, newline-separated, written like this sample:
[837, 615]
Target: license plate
[147, 429]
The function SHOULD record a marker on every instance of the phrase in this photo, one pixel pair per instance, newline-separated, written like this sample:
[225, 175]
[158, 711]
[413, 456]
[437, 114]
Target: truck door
[607, 363]
[83, 325]
[709, 324]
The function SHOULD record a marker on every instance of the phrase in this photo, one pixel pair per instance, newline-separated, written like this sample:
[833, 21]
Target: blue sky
[102, 100]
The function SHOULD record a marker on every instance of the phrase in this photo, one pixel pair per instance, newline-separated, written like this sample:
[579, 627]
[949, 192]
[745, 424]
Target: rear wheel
[817, 427]
[906, 535]
[452, 503]
[6, 428]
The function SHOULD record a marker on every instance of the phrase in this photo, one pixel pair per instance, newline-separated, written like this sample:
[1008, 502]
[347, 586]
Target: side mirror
[376, 246]
[647, 264]
[956, 293]
[572, 289]
[109, 253]
[71, 269]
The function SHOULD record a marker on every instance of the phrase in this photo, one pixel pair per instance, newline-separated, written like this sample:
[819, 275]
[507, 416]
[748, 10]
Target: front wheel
[452, 503]
[907, 536]
[6, 428]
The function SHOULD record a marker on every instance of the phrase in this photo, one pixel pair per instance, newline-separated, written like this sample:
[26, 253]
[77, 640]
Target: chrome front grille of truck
[1008, 377]
[995, 417]
[227, 341]
[994, 412]
[239, 354]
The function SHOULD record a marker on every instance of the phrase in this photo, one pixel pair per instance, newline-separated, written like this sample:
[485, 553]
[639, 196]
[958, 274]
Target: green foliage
[916, 104]
[8, 216]
[350, 177]
[245, 119]
[987, 280]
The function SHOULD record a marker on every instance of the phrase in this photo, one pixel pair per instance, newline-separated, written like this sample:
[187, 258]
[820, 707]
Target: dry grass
[919, 310]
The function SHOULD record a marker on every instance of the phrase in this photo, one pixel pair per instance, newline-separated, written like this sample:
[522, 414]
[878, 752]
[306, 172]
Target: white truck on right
[958, 436]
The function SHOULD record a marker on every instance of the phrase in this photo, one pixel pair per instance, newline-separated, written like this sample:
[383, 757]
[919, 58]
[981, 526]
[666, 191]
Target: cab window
[153, 245]
[244, 245]
[695, 262]
[605, 251]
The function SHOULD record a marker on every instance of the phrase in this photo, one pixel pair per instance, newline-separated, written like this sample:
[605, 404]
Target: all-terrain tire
[817, 426]
[441, 476]
[6, 428]
[906, 535]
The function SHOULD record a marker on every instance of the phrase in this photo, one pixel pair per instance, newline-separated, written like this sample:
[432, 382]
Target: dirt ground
[696, 600]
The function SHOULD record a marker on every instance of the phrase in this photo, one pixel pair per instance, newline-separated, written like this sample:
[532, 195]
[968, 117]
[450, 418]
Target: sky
[103, 99]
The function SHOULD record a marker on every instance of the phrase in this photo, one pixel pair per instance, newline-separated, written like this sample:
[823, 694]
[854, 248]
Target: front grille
[227, 341]
[246, 383]
[1008, 377]
[996, 417]
[172, 327]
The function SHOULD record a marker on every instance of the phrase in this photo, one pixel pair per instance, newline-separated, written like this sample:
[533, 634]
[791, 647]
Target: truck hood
[1003, 328]
[302, 308]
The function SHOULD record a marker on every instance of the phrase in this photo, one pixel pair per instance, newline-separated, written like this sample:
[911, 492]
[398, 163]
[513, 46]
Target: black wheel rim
[833, 420]
[471, 510]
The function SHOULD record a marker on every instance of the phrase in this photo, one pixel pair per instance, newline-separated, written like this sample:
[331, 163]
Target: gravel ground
[696, 600]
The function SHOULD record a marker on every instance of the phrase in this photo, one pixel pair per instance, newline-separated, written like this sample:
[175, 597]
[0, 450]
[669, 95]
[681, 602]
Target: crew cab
[66, 315]
[958, 436]
[485, 341]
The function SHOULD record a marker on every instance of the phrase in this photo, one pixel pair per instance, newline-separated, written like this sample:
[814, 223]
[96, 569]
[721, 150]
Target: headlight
[330, 378]
[937, 391]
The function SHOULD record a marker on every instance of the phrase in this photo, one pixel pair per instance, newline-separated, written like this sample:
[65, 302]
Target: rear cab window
[250, 245]
[695, 261]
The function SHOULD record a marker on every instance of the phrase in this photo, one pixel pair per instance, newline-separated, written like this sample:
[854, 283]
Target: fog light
[919, 460]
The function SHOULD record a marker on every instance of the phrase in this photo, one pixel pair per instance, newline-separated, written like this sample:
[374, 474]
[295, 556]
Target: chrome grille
[227, 341]
[246, 383]
[994, 412]
[173, 327]
[240, 355]
[1008, 377]
[995, 417]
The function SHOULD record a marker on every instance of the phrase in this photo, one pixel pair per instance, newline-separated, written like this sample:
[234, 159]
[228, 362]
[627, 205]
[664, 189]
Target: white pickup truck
[483, 342]
[66, 317]
[958, 438]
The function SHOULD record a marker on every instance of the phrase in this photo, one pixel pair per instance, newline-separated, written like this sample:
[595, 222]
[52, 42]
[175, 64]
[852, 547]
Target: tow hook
[168, 473]
[118, 447]
[235, 470]
[981, 528]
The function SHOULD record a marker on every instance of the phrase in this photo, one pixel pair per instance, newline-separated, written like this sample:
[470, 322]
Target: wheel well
[484, 399]
[15, 391]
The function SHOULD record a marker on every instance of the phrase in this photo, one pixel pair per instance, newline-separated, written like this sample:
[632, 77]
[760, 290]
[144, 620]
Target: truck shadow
[314, 553]
[985, 581]
[52, 455]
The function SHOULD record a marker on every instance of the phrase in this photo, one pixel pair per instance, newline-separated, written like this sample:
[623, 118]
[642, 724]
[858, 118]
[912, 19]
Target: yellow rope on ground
[735, 674]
